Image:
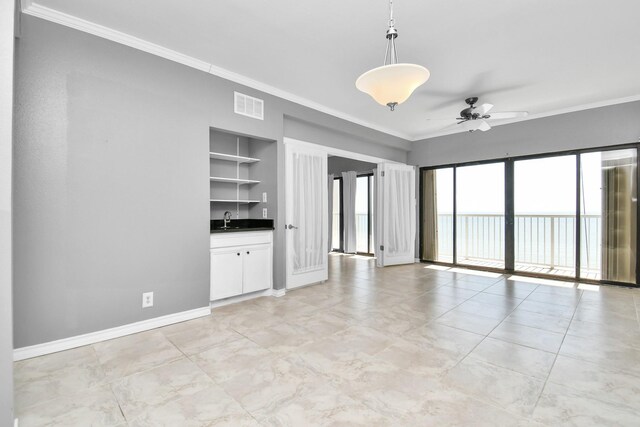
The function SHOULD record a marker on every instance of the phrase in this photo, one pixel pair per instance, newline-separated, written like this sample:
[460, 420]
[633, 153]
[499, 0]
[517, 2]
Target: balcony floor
[526, 268]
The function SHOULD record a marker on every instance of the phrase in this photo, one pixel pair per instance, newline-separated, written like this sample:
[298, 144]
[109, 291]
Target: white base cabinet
[241, 263]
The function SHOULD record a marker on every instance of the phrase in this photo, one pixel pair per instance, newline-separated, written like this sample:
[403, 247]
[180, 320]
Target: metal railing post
[553, 243]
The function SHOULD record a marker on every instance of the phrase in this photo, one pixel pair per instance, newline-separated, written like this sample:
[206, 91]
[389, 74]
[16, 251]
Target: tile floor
[406, 346]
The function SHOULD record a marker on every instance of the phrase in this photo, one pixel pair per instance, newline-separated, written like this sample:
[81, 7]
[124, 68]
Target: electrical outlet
[264, 212]
[264, 198]
[147, 299]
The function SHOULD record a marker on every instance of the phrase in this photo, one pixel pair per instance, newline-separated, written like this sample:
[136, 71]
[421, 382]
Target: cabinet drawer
[240, 238]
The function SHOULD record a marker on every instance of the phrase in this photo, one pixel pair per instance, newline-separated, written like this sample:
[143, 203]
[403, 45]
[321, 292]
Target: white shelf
[233, 180]
[232, 158]
[234, 201]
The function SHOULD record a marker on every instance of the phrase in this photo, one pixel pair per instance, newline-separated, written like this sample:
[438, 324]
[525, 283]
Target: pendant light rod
[393, 82]
[391, 54]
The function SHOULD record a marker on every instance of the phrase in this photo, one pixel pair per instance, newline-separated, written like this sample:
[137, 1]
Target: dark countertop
[236, 225]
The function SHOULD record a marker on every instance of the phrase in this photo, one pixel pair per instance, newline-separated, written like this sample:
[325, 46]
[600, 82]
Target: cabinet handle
[247, 252]
[238, 254]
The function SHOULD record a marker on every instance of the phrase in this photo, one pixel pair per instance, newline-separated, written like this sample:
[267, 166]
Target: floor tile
[525, 360]
[223, 362]
[198, 335]
[606, 353]
[124, 356]
[468, 322]
[60, 374]
[539, 321]
[508, 389]
[528, 336]
[599, 382]
[209, 407]
[405, 345]
[143, 392]
[92, 407]
[560, 405]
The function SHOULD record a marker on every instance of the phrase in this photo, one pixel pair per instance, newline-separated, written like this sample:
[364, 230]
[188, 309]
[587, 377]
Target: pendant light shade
[394, 82]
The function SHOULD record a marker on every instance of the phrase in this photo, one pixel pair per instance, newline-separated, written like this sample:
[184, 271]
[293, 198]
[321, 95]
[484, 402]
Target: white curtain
[308, 174]
[374, 214]
[349, 180]
[399, 207]
[330, 204]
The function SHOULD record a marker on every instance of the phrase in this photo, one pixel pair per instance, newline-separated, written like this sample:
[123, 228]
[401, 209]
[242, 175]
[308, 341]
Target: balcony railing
[547, 241]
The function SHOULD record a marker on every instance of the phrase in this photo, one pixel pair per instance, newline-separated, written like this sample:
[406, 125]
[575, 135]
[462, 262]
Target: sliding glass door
[480, 215]
[571, 215]
[437, 214]
[545, 215]
[608, 212]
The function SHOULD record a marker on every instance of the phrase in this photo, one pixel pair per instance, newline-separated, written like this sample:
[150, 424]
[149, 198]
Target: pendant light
[394, 82]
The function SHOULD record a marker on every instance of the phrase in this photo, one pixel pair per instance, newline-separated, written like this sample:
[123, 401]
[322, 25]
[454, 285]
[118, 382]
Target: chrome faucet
[227, 219]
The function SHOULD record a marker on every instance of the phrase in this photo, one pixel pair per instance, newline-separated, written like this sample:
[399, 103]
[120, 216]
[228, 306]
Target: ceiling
[541, 56]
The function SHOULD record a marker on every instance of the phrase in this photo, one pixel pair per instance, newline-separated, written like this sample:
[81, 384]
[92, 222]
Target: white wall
[6, 135]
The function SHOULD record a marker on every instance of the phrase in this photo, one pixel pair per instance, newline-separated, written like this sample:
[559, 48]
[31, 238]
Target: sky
[542, 186]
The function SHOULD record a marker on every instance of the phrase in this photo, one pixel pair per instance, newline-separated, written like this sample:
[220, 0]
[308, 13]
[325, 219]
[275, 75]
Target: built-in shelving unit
[232, 158]
[232, 174]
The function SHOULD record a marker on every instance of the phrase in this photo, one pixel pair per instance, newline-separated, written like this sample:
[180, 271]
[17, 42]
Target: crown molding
[34, 9]
[567, 110]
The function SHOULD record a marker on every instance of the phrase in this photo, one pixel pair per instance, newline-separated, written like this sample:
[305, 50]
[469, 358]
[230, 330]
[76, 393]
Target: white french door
[306, 215]
[396, 221]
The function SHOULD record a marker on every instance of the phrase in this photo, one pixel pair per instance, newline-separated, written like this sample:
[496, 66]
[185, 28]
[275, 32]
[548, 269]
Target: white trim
[246, 297]
[558, 112]
[336, 151]
[107, 334]
[279, 292]
[43, 12]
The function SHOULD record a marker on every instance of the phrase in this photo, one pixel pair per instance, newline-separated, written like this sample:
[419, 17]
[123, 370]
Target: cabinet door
[226, 273]
[257, 268]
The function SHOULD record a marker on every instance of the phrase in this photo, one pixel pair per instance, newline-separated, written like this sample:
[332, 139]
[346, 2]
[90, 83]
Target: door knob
[290, 226]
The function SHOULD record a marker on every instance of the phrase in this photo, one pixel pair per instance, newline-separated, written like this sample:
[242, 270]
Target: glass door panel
[608, 206]
[480, 215]
[437, 215]
[362, 214]
[335, 223]
[545, 215]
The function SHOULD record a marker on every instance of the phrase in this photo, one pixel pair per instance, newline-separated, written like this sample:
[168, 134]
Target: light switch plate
[264, 212]
[264, 198]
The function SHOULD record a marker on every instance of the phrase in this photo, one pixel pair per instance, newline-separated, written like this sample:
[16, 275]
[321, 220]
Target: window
[336, 221]
[570, 214]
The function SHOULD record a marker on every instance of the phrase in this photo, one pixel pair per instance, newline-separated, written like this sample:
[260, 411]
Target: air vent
[249, 106]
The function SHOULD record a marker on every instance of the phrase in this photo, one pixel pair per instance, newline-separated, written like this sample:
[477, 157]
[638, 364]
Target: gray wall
[111, 179]
[336, 165]
[6, 119]
[617, 124]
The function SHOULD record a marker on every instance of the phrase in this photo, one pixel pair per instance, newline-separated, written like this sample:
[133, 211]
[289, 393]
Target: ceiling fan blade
[508, 115]
[441, 118]
[483, 109]
[484, 126]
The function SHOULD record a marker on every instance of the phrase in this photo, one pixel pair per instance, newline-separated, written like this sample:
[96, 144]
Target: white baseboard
[107, 334]
[253, 295]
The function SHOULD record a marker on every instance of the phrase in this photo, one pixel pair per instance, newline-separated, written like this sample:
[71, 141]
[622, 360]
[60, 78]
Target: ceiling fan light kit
[475, 118]
[394, 82]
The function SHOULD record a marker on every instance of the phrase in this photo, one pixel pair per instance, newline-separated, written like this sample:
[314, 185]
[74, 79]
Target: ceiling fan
[475, 118]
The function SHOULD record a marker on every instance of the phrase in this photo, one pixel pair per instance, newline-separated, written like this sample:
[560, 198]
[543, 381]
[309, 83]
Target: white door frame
[330, 151]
